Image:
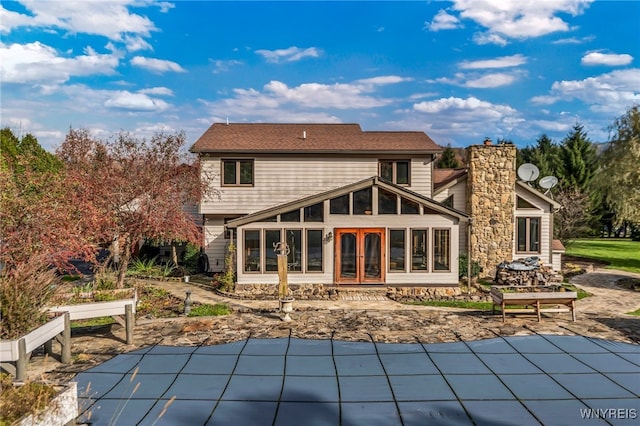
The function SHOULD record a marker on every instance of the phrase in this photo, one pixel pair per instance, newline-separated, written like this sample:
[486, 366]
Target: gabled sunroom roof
[356, 186]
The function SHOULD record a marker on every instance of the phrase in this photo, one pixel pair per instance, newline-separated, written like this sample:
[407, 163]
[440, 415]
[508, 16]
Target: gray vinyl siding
[215, 242]
[543, 211]
[282, 179]
[459, 192]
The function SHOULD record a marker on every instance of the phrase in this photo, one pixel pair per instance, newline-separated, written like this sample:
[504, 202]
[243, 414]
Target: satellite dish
[528, 172]
[547, 183]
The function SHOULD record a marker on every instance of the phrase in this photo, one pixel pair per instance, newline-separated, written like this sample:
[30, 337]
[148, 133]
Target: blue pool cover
[523, 380]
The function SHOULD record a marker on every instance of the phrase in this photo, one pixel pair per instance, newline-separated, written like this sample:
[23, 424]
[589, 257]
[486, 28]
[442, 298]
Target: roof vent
[304, 134]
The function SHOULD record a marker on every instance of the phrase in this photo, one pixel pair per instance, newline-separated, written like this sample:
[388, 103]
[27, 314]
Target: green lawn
[622, 254]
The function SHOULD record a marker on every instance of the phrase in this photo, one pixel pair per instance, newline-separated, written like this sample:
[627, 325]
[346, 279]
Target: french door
[359, 255]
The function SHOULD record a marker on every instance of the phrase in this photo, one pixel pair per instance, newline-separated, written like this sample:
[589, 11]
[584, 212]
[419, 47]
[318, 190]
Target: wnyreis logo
[609, 413]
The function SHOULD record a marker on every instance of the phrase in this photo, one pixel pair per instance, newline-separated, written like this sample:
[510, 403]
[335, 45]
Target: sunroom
[371, 232]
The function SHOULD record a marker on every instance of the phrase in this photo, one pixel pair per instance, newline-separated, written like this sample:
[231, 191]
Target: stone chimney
[490, 203]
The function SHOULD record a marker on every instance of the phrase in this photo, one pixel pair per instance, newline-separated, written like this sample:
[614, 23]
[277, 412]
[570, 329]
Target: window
[362, 201]
[448, 201]
[418, 249]
[408, 207]
[528, 234]
[292, 216]
[294, 241]
[314, 250]
[521, 203]
[237, 172]
[387, 202]
[396, 249]
[395, 171]
[441, 249]
[339, 205]
[271, 237]
[252, 251]
[314, 213]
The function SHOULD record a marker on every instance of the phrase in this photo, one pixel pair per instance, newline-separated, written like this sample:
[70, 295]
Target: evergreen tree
[577, 160]
[448, 159]
[545, 155]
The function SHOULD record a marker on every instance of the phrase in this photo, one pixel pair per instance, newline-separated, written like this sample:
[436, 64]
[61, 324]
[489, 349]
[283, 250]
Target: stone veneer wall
[491, 203]
[331, 292]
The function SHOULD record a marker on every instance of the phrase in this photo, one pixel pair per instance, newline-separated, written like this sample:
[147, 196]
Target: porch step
[363, 295]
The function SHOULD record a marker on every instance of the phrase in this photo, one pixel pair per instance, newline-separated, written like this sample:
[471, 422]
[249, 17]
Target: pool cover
[523, 380]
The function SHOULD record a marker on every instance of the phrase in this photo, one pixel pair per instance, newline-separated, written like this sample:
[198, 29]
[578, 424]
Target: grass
[206, 310]
[621, 254]
[92, 322]
[636, 313]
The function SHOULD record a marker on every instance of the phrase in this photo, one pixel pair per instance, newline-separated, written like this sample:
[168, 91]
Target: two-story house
[353, 206]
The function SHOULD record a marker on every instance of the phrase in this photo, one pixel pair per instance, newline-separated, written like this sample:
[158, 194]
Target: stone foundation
[332, 292]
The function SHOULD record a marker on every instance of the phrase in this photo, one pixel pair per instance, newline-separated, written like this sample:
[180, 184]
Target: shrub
[227, 279]
[19, 401]
[463, 263]
[25, 291]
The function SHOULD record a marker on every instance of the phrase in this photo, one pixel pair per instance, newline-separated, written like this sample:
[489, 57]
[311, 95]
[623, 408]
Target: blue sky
[458, 70]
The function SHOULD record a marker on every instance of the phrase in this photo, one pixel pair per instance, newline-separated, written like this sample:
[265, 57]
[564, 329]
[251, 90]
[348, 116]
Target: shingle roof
[311, 138]
[443, 176]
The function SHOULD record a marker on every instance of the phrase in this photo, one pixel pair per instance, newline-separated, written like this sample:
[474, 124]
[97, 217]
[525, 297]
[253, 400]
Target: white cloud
[610, 93]
[135, 102]
[480, 81]
[518, 19]
[488, 38]
[612, 59]
[110, 19]
[443, 21]
[279, 102]
[290, 54]
[383, 80]
[574, 40]
[39, 63]
[156, 65]
[553, 126]
[158, 91]
[224, 65]
[491, 80]
[134, 43]
[469, 109]
[501, 62]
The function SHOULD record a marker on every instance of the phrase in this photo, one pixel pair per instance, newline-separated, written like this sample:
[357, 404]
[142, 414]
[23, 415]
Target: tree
[619, 173]
[36, 218]
[133, 189]
[448, 159]
[572, 220]
[545, 155]
[577, 160]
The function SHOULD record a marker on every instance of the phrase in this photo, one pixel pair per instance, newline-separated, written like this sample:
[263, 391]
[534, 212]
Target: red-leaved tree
[132, 189]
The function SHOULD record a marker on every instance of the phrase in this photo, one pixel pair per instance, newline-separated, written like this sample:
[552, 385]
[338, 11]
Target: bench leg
[573, 310]
[504, 317]
[538, 311]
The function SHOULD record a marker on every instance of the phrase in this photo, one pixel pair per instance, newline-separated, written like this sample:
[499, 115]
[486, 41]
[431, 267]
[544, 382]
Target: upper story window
[395, 171]
[237, 172]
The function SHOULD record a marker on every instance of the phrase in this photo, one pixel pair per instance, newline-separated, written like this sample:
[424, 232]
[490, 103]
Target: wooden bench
[534, 302]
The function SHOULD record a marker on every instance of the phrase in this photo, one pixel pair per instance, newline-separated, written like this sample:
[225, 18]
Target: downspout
[469, 260]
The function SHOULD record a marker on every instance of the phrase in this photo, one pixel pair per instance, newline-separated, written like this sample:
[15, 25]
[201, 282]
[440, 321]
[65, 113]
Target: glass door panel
[371, 252]
[348, 256]
[359, 256]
